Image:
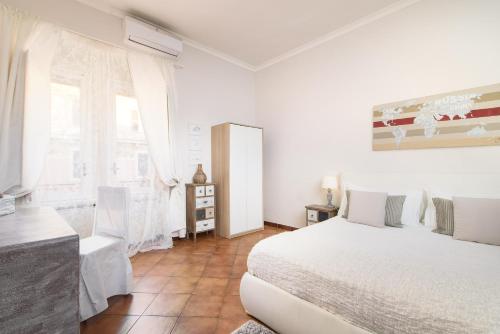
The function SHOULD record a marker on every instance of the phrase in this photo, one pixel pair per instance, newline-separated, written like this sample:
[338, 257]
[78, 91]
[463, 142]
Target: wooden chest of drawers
[200, 208]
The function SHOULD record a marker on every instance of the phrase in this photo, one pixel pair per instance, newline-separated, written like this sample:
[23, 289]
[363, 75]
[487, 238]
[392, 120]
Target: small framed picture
[194, 157]
[195, 143]
[194, 129]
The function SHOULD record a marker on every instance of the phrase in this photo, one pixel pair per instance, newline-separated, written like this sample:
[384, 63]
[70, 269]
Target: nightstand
[200, 208]
[317, 213]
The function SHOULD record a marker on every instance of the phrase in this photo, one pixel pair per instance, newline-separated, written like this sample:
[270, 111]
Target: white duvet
[387, 280]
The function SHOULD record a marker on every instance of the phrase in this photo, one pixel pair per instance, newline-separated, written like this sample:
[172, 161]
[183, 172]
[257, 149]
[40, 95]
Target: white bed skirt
[288, 314]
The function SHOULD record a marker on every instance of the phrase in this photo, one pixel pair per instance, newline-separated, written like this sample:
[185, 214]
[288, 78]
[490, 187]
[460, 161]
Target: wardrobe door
[254, 178]
[237, 179]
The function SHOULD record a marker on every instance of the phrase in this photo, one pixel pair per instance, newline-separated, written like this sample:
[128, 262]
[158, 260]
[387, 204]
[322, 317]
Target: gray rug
[252, 327]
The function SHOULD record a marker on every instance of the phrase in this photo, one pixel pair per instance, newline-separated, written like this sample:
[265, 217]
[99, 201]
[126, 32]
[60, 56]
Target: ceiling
[252, 31]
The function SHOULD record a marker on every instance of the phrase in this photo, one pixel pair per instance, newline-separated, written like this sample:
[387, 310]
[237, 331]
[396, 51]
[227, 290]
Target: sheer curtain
[97, 136]
[158, 107]
[36, 123]
[15, 30]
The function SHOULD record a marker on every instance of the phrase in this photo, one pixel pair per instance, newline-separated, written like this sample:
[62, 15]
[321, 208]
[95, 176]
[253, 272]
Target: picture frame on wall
[458, 119]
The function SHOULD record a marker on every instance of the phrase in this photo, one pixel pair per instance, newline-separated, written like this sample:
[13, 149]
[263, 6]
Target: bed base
[288, 314]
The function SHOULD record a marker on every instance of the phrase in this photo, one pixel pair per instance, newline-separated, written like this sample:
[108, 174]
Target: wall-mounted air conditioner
[147, 37]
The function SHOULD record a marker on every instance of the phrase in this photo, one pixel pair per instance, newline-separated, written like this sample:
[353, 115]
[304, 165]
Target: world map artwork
[464, 118]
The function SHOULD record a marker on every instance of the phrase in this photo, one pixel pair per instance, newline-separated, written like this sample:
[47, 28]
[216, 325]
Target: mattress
[387, 280]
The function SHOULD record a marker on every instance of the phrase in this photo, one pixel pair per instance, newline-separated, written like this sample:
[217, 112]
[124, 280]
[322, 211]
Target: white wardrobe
[237, 174]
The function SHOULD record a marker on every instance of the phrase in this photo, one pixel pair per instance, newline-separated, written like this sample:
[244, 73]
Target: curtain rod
[40, 19]
[121, 47]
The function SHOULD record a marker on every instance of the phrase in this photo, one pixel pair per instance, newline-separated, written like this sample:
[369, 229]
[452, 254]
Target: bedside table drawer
[199, 191]
[205, 225]
[209, 190]
[312, 215]
[204, 202]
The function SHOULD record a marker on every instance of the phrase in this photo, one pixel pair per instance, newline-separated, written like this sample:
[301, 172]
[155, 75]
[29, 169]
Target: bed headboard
[449, 183]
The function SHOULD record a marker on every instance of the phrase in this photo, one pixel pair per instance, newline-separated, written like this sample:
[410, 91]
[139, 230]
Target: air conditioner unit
[147, 37]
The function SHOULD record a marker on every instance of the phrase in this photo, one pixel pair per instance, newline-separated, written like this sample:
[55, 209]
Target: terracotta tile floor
[191, 288]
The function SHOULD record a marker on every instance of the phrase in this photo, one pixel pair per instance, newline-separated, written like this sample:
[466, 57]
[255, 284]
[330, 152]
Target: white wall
[316, 107]
[210, 90]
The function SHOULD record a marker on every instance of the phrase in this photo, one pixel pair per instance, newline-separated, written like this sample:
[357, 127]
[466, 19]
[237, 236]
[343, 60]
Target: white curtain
[94, 140]
[15, 30]
[67, 126]
[36, 132]
[158, 109]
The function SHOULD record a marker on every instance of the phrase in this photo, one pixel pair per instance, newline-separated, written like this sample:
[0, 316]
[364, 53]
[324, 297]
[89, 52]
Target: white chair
[105, 269]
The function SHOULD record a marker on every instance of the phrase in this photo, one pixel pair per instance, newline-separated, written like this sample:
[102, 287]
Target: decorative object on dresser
[316, 213]
[237, 170]
[200, 208]
[199, 177]
[329, 183]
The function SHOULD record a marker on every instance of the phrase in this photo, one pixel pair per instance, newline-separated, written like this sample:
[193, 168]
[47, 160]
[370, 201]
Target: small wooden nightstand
[317, 213]
[200, 208]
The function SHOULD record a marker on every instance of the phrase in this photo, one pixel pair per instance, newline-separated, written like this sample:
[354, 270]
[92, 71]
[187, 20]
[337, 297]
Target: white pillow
[430, 212]
[477, 219]
[367, 208]
[343, 202]
[413, 207]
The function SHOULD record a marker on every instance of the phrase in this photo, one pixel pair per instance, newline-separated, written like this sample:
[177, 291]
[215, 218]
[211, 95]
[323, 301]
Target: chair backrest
[112, 212]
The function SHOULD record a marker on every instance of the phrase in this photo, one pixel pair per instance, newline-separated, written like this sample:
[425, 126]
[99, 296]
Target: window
[142, 164]
[128, 123]
[65, 112]
[62, 178]
[77, 165]
[131, 158]
[97, 139]
[70, 174]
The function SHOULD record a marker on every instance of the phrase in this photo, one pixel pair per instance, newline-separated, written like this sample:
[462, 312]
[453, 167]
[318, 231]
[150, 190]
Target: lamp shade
[329, 182]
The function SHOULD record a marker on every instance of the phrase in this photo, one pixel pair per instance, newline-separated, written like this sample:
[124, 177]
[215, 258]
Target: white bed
[386, 280]
[338, 277]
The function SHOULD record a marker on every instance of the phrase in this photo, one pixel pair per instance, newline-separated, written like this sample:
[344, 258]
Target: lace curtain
[96, 138]
[15, 29]
[158, 109]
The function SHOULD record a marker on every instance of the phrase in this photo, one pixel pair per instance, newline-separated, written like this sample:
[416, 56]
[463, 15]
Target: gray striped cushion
[444, 216]
[393, 209]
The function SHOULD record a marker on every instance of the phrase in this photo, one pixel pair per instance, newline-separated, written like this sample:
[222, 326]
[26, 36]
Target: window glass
[131, 159]
[62, 176]
[128, 122]
[65, 111]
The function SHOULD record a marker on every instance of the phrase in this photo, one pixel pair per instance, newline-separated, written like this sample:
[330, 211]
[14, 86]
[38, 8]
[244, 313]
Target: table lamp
[329, 182]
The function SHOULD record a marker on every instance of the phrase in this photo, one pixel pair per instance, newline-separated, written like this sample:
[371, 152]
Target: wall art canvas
[463, 118]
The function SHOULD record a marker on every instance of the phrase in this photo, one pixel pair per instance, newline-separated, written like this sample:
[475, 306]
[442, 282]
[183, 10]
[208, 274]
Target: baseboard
[284, 227]
[275, 225]
[243, 233]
